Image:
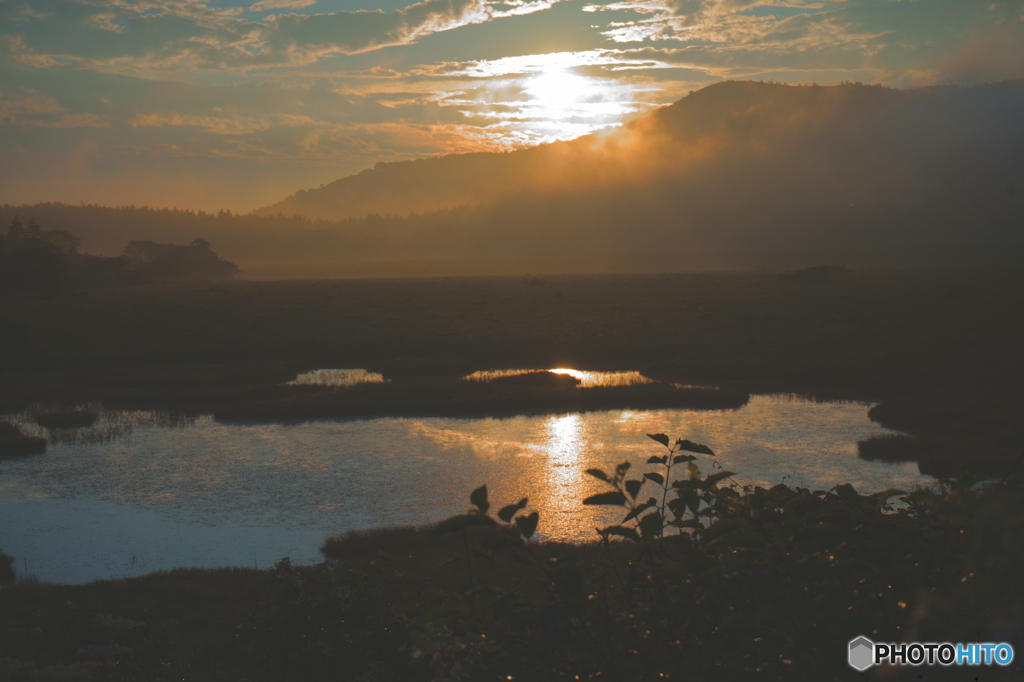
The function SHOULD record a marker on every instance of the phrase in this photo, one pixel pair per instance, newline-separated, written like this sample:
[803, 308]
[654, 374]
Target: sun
[542, 98]
[559, 93]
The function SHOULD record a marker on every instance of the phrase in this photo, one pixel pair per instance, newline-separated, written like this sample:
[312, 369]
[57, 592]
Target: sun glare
[560, 93]
[545, 97]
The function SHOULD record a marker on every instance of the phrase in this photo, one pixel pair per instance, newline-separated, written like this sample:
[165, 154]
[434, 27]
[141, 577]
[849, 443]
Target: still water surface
[210, 494]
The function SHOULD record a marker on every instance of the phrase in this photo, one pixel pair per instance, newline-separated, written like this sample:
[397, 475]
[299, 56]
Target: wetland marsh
[251, 354]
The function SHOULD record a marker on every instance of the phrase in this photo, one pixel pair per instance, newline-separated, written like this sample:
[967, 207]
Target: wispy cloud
[185, 36]
[29, 109]
[715, 21]
[266, 5]
[307, 38]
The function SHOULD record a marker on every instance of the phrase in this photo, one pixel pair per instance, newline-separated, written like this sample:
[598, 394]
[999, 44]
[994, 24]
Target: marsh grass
[15, 443]
[357, 543]
[569, 377]
[895, 447]
[873, 332]
[97, 425]
[185, 624]
[229, 349]
[454, 396]
[337, 378]
[65, 419]
[819, 398]
[7, 575]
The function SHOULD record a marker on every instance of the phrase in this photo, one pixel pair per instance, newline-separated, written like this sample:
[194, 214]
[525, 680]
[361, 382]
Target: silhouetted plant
[719, 580]
[517, 527]
[7, 576]
[694, 495]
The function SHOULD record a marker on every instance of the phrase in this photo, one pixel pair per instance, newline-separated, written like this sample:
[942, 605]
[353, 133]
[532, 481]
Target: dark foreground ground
[770, 585]
[940, 348]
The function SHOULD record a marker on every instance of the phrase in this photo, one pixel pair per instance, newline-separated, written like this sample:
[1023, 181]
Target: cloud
[307, 38]
[151, 39]
[105, 21]
[528, 64]
[717, 21]
[30, 109]
[265, 5]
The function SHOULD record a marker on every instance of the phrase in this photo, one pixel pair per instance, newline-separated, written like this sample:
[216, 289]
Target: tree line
[34, 259]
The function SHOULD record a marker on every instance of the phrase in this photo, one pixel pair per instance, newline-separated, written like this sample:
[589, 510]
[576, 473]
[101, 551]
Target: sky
[235, 105]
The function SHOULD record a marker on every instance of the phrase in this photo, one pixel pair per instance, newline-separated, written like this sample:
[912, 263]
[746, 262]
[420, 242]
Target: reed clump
[7, 576]
[895, 447]
[65, 419]
[14, 443]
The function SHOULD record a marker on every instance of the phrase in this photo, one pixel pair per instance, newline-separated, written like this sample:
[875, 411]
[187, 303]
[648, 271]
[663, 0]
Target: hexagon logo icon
[862, 653]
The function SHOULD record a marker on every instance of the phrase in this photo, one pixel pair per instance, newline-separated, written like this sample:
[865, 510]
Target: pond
[204, 493]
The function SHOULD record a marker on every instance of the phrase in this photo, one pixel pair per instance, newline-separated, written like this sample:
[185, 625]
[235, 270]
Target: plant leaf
[715, 478]
[597, 473]
[508, 512]
[640, 508]
[651, 525]
[527, 524]
[633, 487]
[479, 498]
[690, 446]
[621, 531]
[660, 437]
[607, 498]
[657, 478]
[657, 460]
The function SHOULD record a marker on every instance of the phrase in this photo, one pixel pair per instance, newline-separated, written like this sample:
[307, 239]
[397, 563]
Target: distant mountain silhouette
[738, 175]
[746, 142]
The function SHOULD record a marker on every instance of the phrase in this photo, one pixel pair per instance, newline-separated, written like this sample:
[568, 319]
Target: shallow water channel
[211, 494]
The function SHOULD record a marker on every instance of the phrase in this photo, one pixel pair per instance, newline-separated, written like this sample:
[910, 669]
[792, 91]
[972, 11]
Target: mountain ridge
[725, 130]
